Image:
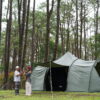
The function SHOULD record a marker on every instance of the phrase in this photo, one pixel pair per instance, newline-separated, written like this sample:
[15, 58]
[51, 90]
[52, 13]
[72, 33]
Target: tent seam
[70, 68]
[90, 76]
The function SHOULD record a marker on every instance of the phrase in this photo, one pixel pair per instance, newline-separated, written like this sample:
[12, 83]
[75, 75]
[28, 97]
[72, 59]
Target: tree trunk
[26, 31]
[47, 34]
[68, 29]
[62, 38]
[68, 35]
[85, 45]
[96, 30]
[81, 27]
[7, 45]
[49, 12]
[14, 63]
[33, 35]
[21, 34]
[57, 30]
[76, 35]
[0, 18]
[19, 14]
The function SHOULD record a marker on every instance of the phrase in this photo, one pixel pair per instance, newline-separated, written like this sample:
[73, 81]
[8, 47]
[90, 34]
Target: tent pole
[51, 81]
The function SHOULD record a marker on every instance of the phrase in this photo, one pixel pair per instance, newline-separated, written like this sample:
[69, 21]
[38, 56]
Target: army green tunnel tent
[67, 73]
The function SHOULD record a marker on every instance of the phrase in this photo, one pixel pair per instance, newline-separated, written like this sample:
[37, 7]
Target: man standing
[17, 79]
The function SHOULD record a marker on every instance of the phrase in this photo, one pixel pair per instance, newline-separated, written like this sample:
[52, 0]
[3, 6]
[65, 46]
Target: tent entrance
[59, 79]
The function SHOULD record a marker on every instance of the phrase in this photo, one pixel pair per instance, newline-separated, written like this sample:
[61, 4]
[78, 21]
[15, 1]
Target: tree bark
[57, 30]
[14, 63]
[7, 45]
[26, 32]
[85, 45]
[68, 35]
[96, 30]
[33, 35]
[0, 19]
[21, 34]
[76, 35]
[49, 12]
[62, 38]
[81, 27]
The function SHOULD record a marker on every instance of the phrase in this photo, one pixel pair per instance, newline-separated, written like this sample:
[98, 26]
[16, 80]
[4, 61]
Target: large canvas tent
[67, 73]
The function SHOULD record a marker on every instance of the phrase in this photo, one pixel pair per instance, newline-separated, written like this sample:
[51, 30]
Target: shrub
[10, 83]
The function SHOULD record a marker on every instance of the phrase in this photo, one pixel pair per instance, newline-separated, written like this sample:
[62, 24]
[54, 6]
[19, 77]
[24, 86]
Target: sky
[38, 2]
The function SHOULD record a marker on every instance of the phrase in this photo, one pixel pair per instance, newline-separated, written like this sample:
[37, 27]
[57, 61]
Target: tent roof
[49, 64]
[66, 60]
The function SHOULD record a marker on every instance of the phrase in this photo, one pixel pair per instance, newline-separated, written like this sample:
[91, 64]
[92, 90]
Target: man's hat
[17, 67]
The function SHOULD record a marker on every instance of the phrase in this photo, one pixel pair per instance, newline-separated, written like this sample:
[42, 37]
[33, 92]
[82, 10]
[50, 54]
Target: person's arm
[28, 73]
[18, 74]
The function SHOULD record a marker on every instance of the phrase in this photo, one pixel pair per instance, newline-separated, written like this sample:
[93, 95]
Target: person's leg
[16, 88]
[28, 88]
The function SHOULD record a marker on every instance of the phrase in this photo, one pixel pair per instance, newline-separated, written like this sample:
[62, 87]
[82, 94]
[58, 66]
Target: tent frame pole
[51, 86]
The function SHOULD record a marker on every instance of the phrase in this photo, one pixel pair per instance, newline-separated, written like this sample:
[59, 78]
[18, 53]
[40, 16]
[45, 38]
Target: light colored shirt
[17, 78]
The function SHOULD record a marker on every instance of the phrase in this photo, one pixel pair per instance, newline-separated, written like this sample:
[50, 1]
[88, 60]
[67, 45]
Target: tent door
[59, 79]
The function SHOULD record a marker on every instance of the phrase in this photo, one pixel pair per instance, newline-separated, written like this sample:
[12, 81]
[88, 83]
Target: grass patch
[42, 95]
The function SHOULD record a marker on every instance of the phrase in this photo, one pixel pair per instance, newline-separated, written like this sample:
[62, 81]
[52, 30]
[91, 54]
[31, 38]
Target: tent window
[59, 79]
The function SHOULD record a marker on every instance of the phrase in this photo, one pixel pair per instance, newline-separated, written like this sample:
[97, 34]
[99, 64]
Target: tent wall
[37, 78]
[79, 76]
[94, 81]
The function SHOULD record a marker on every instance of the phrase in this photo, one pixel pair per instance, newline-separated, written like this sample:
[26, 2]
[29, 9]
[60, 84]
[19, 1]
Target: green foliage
[98, 45]
[42, 6]
[1, 68]
[10, 83]
[92, 45]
